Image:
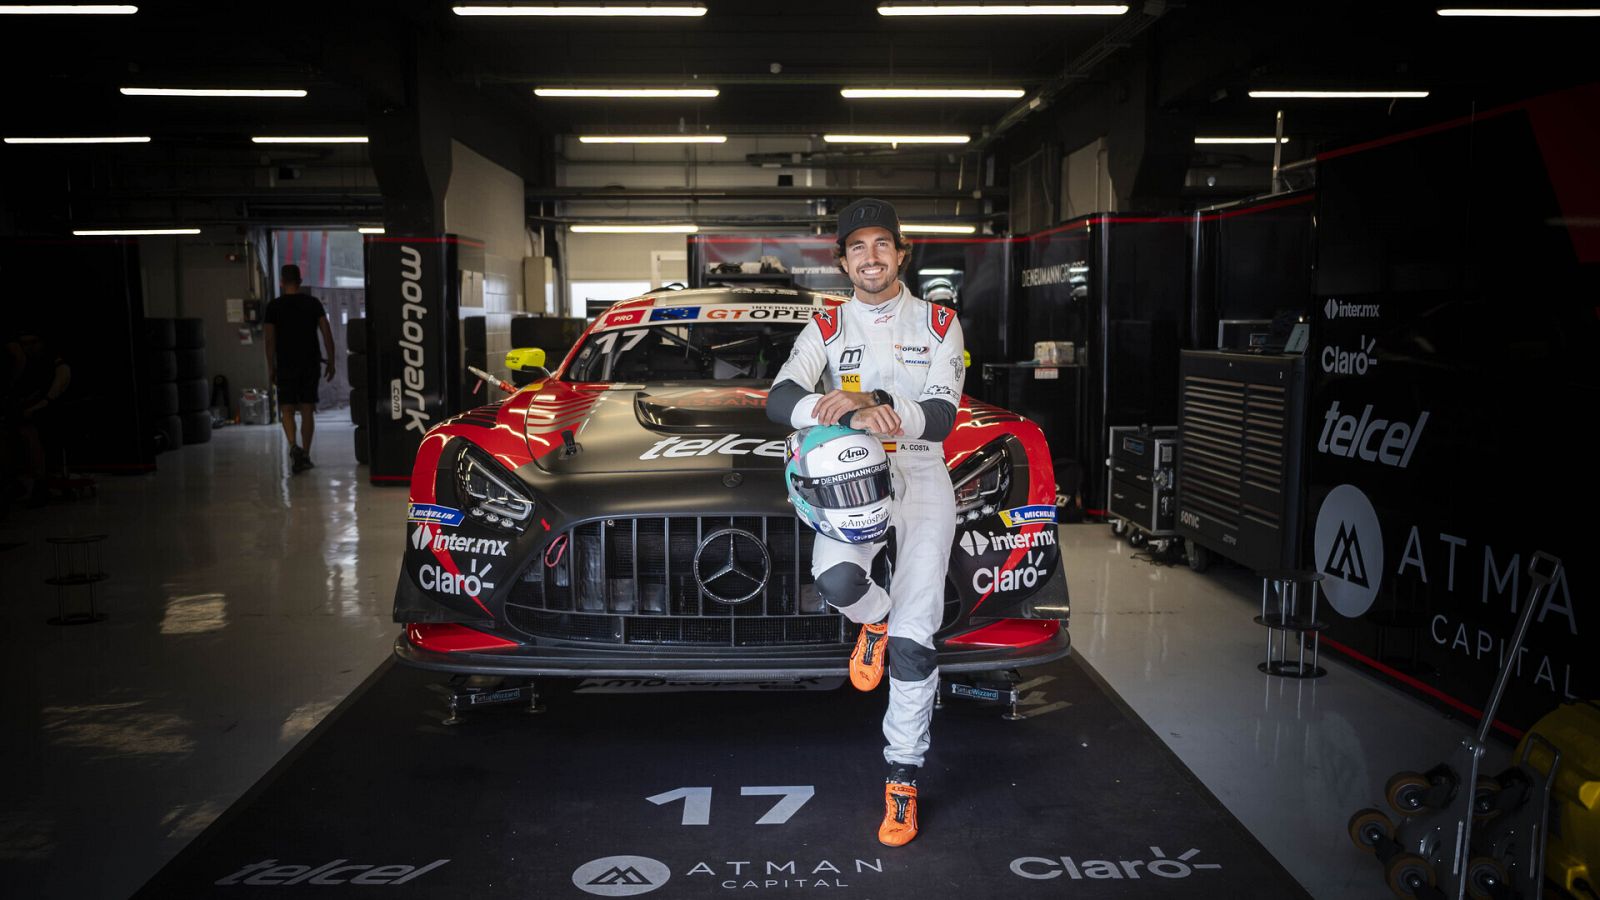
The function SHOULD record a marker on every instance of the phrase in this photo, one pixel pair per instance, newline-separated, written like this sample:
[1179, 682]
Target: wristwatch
[883, 398]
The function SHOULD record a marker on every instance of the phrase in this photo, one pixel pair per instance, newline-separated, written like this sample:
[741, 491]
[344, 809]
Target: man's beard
[875, 286]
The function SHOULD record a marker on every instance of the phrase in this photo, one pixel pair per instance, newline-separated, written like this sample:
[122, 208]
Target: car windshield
[686, 351]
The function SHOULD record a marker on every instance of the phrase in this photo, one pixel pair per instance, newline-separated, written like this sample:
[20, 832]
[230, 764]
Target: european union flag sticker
[667, 313]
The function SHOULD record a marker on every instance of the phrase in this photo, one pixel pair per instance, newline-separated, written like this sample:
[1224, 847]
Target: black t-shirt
[294, 318]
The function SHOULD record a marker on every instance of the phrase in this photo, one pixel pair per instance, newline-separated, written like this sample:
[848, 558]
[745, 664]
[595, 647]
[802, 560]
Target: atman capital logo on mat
[621, 876]
[1041, 868]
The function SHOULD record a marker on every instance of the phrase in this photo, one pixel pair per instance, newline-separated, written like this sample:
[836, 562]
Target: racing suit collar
[886, 307]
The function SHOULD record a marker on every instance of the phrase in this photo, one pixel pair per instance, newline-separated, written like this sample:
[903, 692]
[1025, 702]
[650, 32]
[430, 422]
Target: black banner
[413, 346]
[1453, 389]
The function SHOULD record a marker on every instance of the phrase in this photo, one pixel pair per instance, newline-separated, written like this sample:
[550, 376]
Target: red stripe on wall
[1419, 685]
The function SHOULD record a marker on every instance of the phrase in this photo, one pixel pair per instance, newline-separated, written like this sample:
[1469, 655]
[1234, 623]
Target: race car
[626, 516]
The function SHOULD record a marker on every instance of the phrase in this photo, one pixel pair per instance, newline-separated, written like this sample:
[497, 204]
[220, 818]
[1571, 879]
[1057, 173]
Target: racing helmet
[839, 484]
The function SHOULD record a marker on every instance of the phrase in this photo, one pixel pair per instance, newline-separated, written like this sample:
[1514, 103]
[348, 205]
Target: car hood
[653, 427]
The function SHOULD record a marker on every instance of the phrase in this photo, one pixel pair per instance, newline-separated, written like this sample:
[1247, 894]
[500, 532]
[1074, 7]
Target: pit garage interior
[1300, 299]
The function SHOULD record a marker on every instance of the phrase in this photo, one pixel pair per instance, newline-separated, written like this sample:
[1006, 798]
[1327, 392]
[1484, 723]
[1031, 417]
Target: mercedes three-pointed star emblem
[721, 573]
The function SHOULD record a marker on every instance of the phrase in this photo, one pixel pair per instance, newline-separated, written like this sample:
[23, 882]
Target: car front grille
[632, 581]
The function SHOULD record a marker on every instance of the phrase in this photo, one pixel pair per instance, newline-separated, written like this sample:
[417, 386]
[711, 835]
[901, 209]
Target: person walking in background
[293, 363]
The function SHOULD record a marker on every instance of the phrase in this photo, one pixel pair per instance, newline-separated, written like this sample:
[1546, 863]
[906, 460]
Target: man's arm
[931, 415]
[791, 401]
[327, 344]
[269, 341]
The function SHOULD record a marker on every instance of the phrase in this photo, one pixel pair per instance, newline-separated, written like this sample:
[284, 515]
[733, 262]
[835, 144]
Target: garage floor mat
[752, 793]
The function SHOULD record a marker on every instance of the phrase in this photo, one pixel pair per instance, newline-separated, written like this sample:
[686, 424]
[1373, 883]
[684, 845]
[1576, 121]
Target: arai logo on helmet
[852, 454]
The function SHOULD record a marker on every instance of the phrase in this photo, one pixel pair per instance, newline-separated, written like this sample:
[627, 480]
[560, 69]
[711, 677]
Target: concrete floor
[245, 604]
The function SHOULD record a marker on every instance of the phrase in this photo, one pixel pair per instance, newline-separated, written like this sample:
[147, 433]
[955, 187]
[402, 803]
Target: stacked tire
[194, 385]
[158, 387]
[355, 342]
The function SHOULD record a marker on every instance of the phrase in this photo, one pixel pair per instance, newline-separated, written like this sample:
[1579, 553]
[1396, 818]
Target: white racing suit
[913, 350]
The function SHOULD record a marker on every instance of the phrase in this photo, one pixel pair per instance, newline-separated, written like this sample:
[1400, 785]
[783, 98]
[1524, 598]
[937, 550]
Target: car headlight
[982, 482]
[489, 493]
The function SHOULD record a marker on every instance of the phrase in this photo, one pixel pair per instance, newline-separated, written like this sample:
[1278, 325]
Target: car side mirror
[523, 359]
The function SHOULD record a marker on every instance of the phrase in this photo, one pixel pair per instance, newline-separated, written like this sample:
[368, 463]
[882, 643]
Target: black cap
[868, 213]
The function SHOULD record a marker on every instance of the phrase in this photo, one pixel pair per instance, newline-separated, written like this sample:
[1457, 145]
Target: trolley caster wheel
[1486, 879]
[1486, 799]
[1369, 828]
[1137, 539]
[1118, 527]
[1407, 792]
[1198, 557]
[1409, 875]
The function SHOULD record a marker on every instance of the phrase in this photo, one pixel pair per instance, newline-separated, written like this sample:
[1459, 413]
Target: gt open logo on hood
[621, 876]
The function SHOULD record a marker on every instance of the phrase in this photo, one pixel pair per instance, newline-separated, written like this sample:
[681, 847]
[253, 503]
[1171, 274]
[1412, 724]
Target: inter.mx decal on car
[430, 536]
[1349, 551]
[1372, 439]
[977, 543]
[1043, 868]
[269, 872]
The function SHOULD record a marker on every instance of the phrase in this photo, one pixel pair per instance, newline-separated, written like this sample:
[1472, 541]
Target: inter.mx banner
[411, 330]
[1450, 428]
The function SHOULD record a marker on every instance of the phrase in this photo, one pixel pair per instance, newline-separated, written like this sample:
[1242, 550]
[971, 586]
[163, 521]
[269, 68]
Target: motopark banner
[414, 354]
[1454, 387]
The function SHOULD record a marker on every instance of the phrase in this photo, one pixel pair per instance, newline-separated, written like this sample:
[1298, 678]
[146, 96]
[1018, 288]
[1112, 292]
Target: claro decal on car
[428, 512]
[1027, 515]
[996, 578]
[436, 578]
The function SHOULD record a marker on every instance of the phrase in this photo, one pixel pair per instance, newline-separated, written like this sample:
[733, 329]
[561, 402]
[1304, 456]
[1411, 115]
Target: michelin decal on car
[429, 512]
[1027, 515]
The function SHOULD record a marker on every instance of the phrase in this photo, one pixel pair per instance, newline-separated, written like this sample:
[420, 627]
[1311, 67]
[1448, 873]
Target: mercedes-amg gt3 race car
[627, 517]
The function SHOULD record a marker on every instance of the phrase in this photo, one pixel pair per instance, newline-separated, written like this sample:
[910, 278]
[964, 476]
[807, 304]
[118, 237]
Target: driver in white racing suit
[892, 365]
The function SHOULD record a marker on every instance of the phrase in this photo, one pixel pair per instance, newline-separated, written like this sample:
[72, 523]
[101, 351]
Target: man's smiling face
[873, 262]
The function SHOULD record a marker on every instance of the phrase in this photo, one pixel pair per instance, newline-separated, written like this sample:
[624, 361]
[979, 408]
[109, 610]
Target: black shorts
[298, 386]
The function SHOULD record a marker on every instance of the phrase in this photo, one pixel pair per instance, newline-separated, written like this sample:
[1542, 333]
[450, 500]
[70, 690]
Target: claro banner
[1453, 391]
[412, 346]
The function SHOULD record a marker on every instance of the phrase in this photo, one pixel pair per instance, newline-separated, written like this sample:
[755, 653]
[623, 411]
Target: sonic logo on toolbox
[1027, 515]
[429, 512]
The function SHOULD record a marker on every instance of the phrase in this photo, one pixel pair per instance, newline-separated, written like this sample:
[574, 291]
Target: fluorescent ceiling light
[625, 92]
[129, 232]
[896, 138]
[593, 10]
[938, 271]
[309, 140]
[998, 9]
[910, 228]
[42, 9]
[370, 230]
[1337, 95]
[930, 93]
[1239, 140]
[652, 139]
[77, 140]
[210, 92]
[635, 229]
[1523, 13]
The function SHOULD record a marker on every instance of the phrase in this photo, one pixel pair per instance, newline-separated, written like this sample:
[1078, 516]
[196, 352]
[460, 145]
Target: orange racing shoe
[866, 660]
[899, 811]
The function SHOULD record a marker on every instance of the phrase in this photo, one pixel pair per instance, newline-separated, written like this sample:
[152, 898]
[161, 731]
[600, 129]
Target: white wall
[485, 202]
[1086, 182]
